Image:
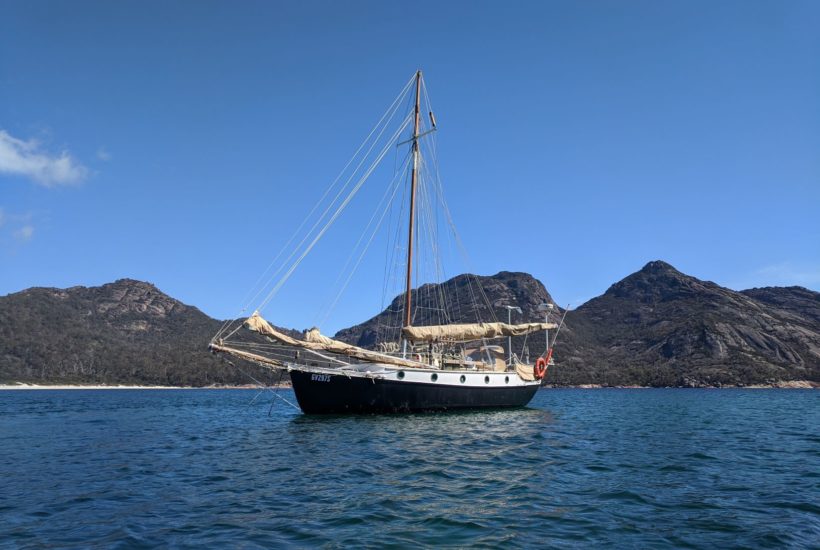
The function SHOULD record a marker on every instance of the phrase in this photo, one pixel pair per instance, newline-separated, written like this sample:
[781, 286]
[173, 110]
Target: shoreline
[23, 387]
[781, 385]
[791, 384]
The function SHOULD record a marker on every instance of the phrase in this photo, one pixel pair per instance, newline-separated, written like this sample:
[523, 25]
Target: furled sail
[525, 372]
[318, 342]
[472, 331]
[248, 356]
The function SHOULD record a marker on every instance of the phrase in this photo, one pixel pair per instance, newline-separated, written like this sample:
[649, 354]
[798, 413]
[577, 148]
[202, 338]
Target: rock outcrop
[660, 327]
[467, 299]
[656, 327]
[126, 332]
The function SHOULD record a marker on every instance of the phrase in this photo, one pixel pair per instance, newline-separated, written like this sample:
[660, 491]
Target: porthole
[486, 379]
[506, 379]
[400, 375]
[434, 377]
[463, 378]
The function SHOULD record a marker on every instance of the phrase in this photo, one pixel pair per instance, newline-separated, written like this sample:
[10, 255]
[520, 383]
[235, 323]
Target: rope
[364, 251]
[262, 385]
[391, 110]
[339, 210]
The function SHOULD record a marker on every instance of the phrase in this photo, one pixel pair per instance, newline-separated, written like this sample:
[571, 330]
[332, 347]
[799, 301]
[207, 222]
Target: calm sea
[205, 468]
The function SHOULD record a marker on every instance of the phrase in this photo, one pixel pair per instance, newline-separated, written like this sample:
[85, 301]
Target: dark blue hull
[340, 394]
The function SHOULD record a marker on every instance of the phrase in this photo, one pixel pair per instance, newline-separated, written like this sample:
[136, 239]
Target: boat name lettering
[320, 377]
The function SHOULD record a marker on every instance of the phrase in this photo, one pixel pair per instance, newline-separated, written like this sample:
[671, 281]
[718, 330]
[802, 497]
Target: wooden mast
[413, 179]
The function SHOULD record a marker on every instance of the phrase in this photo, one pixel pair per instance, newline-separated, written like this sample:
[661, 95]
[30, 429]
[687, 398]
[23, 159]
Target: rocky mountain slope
[656, 327]
[660, 327]
[469, 298]
[126, 332]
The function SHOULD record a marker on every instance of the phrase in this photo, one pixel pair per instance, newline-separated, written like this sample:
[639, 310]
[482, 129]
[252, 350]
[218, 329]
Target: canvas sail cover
[313, 335]
[525, 372]
[316, 341]
[471, 331]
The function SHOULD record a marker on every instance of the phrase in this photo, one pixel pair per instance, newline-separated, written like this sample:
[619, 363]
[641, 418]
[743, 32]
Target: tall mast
[413, 179]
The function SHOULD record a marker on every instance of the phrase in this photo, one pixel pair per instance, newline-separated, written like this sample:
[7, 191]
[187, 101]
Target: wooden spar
[266, 361]
[413, 177]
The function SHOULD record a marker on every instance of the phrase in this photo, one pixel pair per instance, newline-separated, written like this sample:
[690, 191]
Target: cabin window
[463, 378]
[434, 377]
[506, 379]
[401, 375]
[486, 379]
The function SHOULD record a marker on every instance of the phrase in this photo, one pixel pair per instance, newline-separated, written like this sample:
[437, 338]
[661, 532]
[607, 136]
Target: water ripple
[624, 468]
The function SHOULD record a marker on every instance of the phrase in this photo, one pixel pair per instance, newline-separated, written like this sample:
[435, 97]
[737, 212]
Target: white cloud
[24, 234]
[103, 154]
[25, 158]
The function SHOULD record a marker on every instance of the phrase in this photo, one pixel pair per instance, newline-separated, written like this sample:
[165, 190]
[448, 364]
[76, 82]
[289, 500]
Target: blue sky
[181, 142]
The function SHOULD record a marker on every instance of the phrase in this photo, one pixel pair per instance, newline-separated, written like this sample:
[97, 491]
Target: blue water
[623, 468]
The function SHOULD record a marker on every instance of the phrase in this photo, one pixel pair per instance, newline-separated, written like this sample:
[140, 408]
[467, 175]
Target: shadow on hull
[339, 394]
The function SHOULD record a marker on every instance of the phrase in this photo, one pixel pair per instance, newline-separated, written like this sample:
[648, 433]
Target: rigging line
[260, 392]
[341, 207]
[276, 392]
[471, 270]
[437, 185]
[327, 358]
[432, 230]
[248, 299]
[324, 313]
[438, 291]
[234, 331]
[392, 267]
[389, 115]
[321, 218]
[424, 212]
[395, 181]
[463, 250]
[359, 261]
[416, 254]
[447, 294]
[398, 266]
[394, 185]
[271, 347]
[555, 338]
[486, 299]
[426, 95]
[422, 260]
[336, 214]
[261, 384]
[388, 242]
[454, 232]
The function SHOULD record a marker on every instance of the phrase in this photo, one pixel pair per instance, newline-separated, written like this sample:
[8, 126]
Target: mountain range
[126, 332]
[656, 327]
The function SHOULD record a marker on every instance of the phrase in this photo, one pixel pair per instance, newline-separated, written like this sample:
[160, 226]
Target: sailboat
[432, 366]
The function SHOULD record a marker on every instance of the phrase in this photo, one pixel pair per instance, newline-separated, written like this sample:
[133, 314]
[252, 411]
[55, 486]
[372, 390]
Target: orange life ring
[539, 370]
